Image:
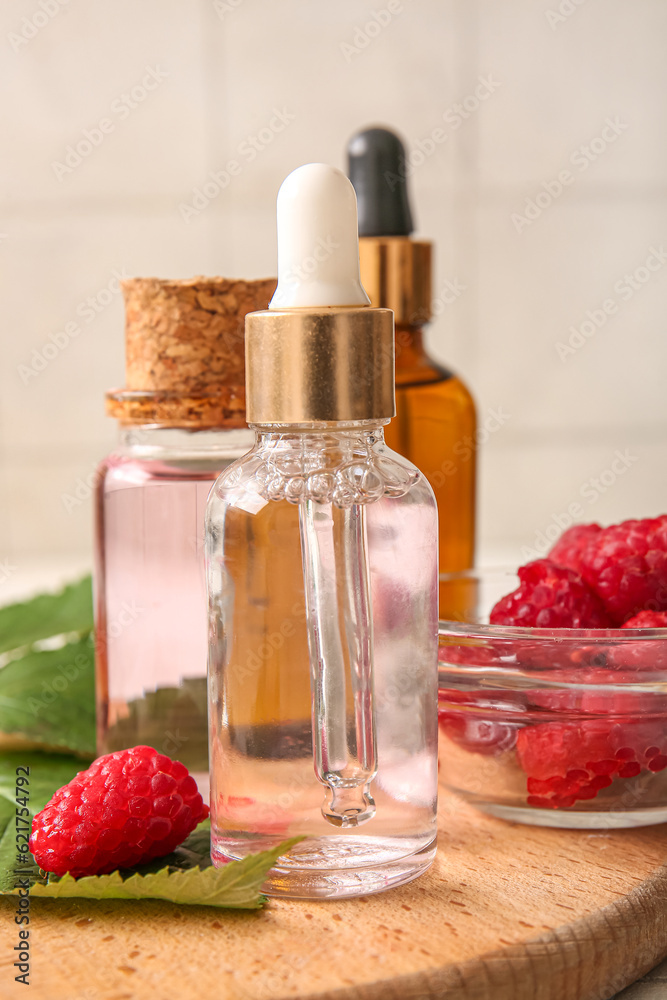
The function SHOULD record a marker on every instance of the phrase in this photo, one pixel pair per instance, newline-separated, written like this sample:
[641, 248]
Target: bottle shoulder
[444, 384]
[420, 486]
[415, 367]
[340, 468]
[419, 367]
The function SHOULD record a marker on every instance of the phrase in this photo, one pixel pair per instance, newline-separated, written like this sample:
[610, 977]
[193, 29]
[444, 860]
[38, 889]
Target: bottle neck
[409, 346]
[318, 435]
[149, 441]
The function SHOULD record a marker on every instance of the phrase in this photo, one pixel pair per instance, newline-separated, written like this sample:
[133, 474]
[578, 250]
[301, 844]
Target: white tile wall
[89, 64]
[561, 78]
[224, 71]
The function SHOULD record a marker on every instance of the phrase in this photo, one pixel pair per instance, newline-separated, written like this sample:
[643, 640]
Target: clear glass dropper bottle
[322, 575]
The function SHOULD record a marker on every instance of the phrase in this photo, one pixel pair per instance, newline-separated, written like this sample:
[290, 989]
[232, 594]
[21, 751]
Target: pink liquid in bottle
[182, 419]
[151, 593]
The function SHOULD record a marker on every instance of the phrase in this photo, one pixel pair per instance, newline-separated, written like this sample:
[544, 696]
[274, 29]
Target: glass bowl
[554, 727]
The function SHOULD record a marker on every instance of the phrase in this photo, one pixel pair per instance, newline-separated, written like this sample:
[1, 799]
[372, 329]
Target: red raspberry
[647, 619]
[550, 596]
[567, 550]
[626, 565]
[570, 761]
[127, 808]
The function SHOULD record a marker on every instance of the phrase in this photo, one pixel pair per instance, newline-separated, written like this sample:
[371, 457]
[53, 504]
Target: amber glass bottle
[435, 423]
[435, 428]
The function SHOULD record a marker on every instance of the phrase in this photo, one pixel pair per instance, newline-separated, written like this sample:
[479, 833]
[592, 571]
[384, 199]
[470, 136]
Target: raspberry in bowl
[553, 689]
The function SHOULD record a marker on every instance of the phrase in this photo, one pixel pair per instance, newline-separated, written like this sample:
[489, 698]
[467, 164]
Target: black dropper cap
[377, 169]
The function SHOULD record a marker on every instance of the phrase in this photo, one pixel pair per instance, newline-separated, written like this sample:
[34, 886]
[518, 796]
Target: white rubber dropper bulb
[318, 243]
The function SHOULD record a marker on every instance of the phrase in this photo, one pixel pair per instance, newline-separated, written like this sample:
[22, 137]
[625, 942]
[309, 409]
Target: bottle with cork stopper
[182, 421]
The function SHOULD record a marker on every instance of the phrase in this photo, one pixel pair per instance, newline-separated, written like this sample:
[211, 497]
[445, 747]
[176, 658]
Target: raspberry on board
[550, 596]
[569, 547]
[127, 808]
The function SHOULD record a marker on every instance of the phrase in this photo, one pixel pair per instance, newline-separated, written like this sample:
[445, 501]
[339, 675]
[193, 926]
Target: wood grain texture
[507, 912]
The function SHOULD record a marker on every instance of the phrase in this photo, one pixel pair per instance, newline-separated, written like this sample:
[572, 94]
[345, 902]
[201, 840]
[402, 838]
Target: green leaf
[47, 698]
[196, 850]
[70, 610]
[237, 885]
[48, 772]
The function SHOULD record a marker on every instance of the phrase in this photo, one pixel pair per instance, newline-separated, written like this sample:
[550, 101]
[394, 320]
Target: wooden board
[507, 912]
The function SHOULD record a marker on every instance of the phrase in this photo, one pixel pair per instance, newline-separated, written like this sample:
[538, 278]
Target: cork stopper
[184, 351]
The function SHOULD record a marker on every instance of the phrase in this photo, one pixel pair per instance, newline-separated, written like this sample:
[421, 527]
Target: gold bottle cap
[320, 353]
[396, 273]
[332, 364]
